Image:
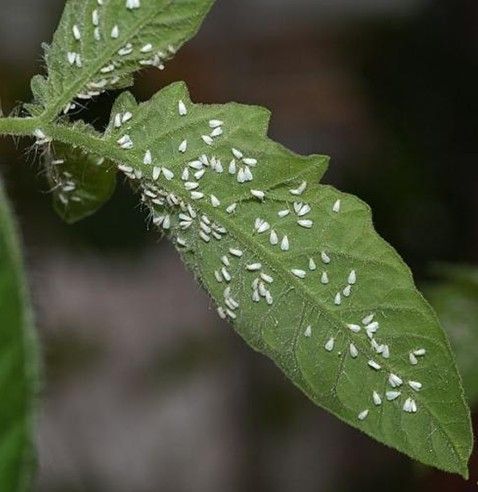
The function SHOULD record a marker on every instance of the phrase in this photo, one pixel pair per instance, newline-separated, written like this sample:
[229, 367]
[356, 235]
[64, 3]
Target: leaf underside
[297, 268]
[99, 45]
[18, 357]
[81, 183]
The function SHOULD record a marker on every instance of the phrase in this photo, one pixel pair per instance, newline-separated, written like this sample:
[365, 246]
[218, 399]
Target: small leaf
[81, 183]
[18, 362]
[99, 45]
[298, 269]
[455, 299]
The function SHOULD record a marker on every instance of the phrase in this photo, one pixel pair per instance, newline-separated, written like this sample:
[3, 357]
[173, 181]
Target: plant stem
[19, 126]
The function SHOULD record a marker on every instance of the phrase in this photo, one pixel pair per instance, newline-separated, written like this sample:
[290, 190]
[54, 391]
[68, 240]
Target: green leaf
[99, 45]
[80, 182]
[298, 269]
[18, 362]
[455, 298]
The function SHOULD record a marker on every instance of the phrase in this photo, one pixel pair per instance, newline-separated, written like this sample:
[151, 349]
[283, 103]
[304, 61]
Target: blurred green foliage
[455, 299]
[18, 362]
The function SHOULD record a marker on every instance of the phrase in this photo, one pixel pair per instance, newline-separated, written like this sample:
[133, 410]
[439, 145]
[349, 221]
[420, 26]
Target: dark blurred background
[145, 390]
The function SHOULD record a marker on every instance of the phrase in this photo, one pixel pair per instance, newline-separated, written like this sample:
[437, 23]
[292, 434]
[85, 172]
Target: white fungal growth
[376, 398]
[363, 415]
[308, 332]
[329, 345]
[394, 380]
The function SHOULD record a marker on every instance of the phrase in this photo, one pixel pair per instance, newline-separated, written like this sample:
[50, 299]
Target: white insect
[394, 380]
[148, 158]
[76, 32]
[353, 351]
[410, 406]
[392, 395]
[363, 415]
[258, 194]
[215, 202]
[284, 245]
[354, 328]
[183, 146]
[329, 345]
[183, 111]
[374, 365]
[415, 385]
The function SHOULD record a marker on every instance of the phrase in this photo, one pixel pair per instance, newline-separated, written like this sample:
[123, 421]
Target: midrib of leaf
[87, 74]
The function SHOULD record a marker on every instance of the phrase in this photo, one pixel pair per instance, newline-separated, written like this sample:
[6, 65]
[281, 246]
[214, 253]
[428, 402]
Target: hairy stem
[19, 126]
